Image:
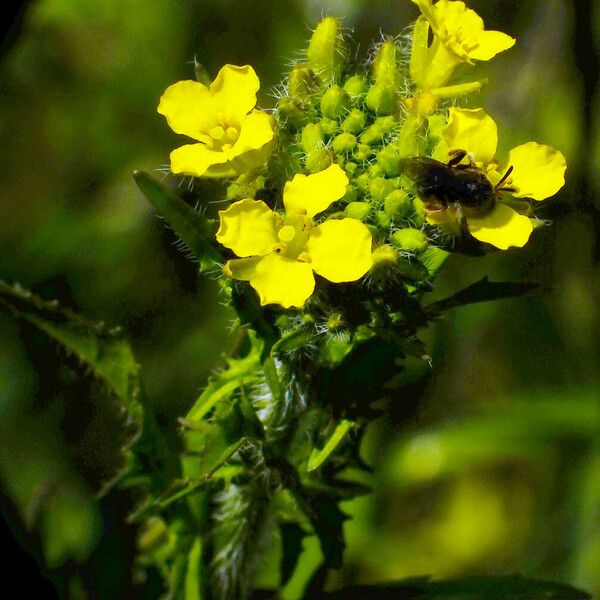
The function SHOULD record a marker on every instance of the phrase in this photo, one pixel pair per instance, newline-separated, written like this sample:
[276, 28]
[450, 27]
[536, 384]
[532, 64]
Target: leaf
[318, 457]
[468, 588]
[194, 583]
[482, 291]
[194, 229]
[104, 351]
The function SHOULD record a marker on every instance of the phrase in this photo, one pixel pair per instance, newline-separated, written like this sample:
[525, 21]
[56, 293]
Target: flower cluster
[322, 185]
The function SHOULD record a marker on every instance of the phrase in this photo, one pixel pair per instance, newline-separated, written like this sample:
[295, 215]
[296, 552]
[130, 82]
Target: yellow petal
[188, 107]
[314, 193]
[234, 93]
[340, 250]
[195, 159]
[472, 130]
[248, 227]
[503, 227]
[242, 268]
[491, 43]
[284, 281]
[256, 130]
[538, 170]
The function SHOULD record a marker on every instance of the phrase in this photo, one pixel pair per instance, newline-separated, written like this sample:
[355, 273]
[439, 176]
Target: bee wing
[423, 170]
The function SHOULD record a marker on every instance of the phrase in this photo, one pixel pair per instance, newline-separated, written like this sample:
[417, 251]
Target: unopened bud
[398, 205]
[335, 102]
[318, 159]
[354, 122]
[345, 142]
[410, 240]
[326, 53]
[381, 99]
[379, 188]
[356, 86]
[312, 137]
[385, 69]
[357, 210]
[302, 82]
[293, 112]
[384, 254]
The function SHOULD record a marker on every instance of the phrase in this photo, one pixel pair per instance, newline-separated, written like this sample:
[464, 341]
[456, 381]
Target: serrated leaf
[194, 229]
[468, 588]
[482, 291]
[106, 352]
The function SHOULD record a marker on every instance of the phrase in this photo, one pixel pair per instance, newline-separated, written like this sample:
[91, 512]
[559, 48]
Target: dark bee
[463, 187]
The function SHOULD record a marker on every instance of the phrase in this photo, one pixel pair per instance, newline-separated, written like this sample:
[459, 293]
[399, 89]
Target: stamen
[232, 133]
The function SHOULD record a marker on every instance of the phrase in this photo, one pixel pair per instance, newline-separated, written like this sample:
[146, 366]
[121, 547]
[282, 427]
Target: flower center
[220, 137]
[287, 233]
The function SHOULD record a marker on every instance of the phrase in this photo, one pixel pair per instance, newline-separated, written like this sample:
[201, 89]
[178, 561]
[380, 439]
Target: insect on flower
[460, 186]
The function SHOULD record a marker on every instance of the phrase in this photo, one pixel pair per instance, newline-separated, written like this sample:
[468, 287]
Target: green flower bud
[344, 142]
[293, 112]
[375, 170]
[351, 167]
[351, 194]
[335, 102]
[381, 99]
[318, 159]
[418, 216]
[357, 210]
[326, 53]
[354, 122]
[379, 188]
[388, 158]
[385, 68]
[362, 152]
[410, 240]
[329, 126]
[312, 137]
[302, 81]
[382, 219]
[356, 86]
[362, 181]
[397, 204]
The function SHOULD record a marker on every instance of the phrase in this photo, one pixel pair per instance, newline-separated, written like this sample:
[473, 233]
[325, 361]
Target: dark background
[499, 472]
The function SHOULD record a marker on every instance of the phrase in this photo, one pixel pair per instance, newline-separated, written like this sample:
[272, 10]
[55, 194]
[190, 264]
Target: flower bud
[293, 112]
[329, 126]
[381, 99]
[326, 53]
[388, 158]
[379, 188]
[397, 204]
[385, 69]
[356, 86]
[357, 210]
[312, 137]
[302, 82]
[409, 240]
[335, 102]
[345, 142]
[354, 122]
[362, 152]
[318, 159]
[384, 254]
[382, 220]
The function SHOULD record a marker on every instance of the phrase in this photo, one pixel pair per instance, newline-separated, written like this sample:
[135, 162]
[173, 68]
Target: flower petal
[538, 170]
[491, 43]
[248, 227]
[340, 250]
[242, 268]
[312, 194]
[188, 107]
[195, 159]
[284, 281]
[234, 92]
[503, 227]
[256, 130]
[472, 130]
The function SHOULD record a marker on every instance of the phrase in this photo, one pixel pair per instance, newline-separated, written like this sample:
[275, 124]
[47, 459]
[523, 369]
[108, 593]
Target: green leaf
[194, 583]
[482, 291]
[194, 229]
[468, 588]
[318, 457]
[105, 351]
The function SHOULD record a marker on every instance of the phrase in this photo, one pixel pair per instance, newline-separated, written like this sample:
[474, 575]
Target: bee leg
[456, 156]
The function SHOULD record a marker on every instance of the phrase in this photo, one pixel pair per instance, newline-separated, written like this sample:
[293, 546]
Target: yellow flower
[279, 253]
[536, 171]
[458, 37]
[233, 136]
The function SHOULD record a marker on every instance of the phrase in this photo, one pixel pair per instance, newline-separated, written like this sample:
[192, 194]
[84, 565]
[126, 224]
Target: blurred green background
[492, 465]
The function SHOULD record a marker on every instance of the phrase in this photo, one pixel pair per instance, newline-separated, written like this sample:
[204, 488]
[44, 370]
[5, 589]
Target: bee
[461, 186]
